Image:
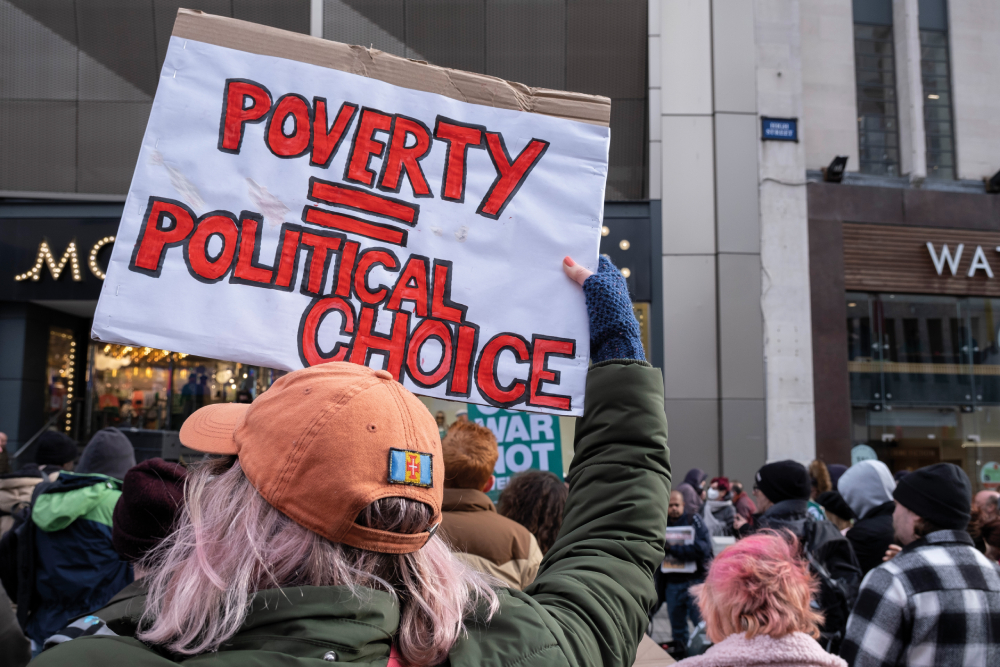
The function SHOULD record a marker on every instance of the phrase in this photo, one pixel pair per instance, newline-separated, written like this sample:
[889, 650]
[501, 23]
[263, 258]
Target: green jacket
[587, 606]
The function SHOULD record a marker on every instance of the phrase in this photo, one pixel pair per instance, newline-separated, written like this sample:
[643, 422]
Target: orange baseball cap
[325, 442]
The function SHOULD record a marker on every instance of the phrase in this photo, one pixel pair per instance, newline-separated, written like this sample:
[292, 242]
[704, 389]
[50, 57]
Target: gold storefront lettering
[44, 257]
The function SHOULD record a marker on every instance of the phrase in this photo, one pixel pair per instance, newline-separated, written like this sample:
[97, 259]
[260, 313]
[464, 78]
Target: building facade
[795, 193]
[824, 317]
[904, 248]
[77, 82]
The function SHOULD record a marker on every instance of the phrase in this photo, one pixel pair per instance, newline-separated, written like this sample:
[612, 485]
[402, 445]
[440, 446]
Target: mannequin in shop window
[201, 392]
[189, 393]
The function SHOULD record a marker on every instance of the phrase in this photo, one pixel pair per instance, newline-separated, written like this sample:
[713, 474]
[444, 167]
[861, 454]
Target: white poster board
[679, 535]
[286, 214]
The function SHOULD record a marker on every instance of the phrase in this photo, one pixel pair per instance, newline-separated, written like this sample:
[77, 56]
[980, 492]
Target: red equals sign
[357, 199]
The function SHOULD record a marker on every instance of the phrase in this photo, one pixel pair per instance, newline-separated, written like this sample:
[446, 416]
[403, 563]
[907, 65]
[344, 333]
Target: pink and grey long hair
[230, 543]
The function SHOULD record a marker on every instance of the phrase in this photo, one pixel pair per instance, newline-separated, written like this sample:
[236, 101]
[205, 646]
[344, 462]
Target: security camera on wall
[835, 172]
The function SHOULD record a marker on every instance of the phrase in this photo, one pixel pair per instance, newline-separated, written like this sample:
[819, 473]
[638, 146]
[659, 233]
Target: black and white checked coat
[936, 603]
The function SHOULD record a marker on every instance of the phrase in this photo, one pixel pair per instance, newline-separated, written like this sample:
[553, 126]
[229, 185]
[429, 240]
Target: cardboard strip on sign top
[413, 74]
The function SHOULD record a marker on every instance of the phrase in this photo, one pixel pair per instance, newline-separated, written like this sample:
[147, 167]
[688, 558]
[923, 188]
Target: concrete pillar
[703, 165]
[784, 249]
[909, 90]
[687, 186]
[316, 18]
[741, 350]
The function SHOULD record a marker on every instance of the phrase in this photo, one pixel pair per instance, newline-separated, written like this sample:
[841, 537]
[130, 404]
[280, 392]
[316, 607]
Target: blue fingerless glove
[614, 331]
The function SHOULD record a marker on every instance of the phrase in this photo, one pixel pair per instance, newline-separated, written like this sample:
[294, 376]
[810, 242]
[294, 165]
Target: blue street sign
[779, 129]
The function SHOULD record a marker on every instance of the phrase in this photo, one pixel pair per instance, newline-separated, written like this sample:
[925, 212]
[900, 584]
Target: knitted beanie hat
[834, 503]
[152, 495]
[784, 480]
[836, 471]
[55, 449]
[940, 493]
[109, 453]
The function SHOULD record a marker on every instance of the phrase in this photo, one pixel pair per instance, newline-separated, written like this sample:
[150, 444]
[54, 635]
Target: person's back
[782, 491]
[151, 497]
[77, 569]
[281, 567]
[60, 561]
[489, 542]
[838, 512]
[16, 489]
[536, 500]
[937, 602]
[949, 594]
[867, 488]
[756, 605]
[55, 452]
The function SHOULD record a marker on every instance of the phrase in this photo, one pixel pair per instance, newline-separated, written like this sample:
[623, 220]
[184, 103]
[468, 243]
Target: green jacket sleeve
[597, 579]
[589, 603]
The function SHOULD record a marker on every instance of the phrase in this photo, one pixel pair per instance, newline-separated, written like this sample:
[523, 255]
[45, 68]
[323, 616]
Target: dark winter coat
[872, 535]
[829, 549]
[14, 646]
[59, 562]
[690, 488]
[587, 606]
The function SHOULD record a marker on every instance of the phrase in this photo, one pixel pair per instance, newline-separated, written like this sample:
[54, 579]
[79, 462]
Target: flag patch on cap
[412, 468]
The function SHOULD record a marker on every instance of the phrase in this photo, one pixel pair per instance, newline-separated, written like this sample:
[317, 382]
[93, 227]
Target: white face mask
[713, 494]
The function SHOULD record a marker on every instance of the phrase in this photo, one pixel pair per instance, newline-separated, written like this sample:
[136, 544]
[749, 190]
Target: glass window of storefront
[925, 380]
[60, 380]
[148, 388]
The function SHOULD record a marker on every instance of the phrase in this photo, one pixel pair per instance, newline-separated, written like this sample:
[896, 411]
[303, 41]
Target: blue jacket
[76, 569]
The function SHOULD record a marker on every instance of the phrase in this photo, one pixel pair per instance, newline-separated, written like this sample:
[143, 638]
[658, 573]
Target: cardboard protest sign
[298, 201]
[524, 442]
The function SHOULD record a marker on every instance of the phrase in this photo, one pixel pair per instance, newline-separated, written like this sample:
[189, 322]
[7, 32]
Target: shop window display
[148, 388]
[925, 379]
[60, 386]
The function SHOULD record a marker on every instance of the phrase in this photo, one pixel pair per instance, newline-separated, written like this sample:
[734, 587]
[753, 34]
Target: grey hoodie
[109, 452]
[865, 486]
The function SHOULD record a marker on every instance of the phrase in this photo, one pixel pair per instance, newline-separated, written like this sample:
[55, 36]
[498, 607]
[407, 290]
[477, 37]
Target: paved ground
[661, 626]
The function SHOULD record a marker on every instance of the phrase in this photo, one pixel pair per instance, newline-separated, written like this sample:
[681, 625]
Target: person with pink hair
[312, 536]
[756, 606]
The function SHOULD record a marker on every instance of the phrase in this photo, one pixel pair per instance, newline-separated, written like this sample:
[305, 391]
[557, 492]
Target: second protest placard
[298, 201]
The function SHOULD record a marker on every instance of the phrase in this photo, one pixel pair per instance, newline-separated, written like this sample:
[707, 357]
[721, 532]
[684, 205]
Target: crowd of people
[334, 519]
[903, 569]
